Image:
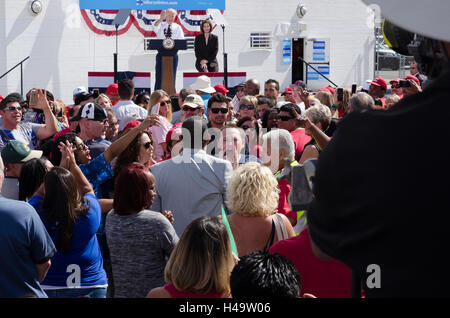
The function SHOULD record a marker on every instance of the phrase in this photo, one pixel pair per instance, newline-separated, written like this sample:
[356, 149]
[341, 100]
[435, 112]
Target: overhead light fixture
[301, 11]
[36, 6]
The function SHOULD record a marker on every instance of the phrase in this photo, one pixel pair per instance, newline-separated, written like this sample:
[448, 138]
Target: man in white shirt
[126, 110]
[166, 29]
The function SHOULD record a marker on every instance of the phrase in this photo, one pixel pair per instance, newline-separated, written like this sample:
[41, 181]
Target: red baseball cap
[113, 90]
[287, 90]
[396, 81]
[412, 77]
[175, 131]
[379, 81]
[132, 124]
[328, 89]
[221, 89]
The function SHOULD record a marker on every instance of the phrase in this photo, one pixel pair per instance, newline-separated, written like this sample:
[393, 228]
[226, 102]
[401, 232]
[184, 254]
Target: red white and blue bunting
[100, 21]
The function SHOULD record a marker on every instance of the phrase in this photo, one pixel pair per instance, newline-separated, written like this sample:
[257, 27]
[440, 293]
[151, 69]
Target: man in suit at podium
[166, 29]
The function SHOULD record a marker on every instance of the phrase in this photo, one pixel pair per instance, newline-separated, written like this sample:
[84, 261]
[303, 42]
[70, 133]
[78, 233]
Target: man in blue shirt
[26, 248]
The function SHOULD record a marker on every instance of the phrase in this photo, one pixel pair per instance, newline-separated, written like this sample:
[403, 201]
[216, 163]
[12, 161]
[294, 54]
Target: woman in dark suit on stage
[206, 48]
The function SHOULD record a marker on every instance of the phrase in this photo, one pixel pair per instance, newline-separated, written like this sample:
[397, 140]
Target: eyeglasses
[147, 144]
[189, 109]
[13, 108]
[164, 103]
[249, 107]
[285, 118]
[217, 110]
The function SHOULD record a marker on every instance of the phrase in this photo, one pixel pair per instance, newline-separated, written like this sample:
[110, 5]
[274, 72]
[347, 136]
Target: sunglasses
[189, 109]
[13, 108]
[217, 110]
[245, 127]
[147, 144]
[164, 103]
[285, 118]
[249, 107]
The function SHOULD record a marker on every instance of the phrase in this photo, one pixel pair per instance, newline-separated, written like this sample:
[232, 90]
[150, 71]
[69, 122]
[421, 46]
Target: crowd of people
[149, 195]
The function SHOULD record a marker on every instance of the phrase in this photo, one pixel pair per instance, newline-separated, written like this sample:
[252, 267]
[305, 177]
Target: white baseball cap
[203, 84]
[79, 90]
[367, 84]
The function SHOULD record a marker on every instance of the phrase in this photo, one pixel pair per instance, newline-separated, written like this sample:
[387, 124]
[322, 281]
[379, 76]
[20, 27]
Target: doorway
[297, 64]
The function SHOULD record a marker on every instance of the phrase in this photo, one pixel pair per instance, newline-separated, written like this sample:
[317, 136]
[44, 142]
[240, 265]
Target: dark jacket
[207, 52]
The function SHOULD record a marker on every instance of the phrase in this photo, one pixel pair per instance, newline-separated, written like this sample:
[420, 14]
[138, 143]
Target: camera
[404, 83]
[301, 179]
[95, 92]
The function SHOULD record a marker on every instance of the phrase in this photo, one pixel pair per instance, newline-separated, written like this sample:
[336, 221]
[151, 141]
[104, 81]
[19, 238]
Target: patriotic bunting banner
[100, 21]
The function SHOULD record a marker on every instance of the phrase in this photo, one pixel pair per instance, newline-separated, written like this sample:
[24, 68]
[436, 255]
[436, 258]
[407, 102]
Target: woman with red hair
[140, 241]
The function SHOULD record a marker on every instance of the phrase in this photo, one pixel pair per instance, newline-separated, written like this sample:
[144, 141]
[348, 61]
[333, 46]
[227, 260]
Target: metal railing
[21, 73]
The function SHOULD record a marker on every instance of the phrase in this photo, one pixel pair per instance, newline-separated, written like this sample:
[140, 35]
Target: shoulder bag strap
[230, 234]
[271, 239]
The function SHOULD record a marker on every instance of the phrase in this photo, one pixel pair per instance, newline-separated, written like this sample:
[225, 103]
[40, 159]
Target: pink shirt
[159, 136]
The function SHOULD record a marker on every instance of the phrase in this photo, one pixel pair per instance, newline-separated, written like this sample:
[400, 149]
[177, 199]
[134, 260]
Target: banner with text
[152, 4]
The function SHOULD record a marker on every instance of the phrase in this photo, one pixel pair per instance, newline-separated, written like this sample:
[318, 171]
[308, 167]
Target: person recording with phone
[206, 47]
[160, 103]
[13, 128]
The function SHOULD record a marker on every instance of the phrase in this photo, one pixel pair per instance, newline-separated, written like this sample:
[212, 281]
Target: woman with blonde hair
[104, 101]
[325, 98]
[253, 195]
[200, 265]
[165, 104]
[165, 114]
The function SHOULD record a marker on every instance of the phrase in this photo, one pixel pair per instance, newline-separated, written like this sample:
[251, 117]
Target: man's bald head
[252, 87]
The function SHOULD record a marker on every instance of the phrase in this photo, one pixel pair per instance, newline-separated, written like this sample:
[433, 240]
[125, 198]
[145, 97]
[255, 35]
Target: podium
[166, 69]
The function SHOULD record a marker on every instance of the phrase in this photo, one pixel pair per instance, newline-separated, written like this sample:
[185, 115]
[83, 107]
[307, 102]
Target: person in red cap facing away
[113, 93]
[221, 89]
[378, 89]
[172, 146]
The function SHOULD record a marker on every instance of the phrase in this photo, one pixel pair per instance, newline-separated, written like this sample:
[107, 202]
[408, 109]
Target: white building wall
[63, 49]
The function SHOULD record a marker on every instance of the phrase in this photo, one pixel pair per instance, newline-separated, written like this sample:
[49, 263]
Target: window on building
[261, 40]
